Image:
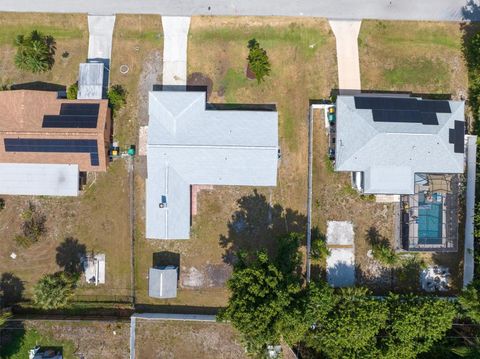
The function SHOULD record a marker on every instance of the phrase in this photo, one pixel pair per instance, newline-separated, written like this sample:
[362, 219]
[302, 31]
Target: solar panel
[401, 109]
[69, 121]
[82, 109]
[53, 145]
[456, 137]
[73, 115]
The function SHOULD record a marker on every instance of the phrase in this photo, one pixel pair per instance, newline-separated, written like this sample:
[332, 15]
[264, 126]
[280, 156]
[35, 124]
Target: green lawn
[22, 341]
[421, 57]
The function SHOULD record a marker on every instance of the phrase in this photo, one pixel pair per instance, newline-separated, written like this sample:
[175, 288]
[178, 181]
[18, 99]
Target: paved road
[451, 10]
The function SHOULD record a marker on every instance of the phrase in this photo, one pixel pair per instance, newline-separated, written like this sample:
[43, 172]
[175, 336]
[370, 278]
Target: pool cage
[429, 218]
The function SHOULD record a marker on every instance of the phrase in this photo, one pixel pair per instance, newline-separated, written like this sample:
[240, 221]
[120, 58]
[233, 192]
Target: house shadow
[11, 289]
[165, 258]
[39, 86]
[216, 106]
[257, 224]
[69, 255]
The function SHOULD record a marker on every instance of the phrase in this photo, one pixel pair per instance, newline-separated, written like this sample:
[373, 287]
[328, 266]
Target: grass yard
[422, 57]
[178, 339]
[138, 44]
[71, 34]
[96, 221]
[302, 55]
[77, 339]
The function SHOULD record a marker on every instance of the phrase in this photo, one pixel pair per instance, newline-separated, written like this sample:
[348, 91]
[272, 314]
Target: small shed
[162, 282]
[94, 268]
[90, 81]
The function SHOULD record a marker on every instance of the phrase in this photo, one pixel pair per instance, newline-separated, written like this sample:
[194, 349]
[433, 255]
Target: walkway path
[468, 262]
[175, 32]
[346, 35]
[450, 10]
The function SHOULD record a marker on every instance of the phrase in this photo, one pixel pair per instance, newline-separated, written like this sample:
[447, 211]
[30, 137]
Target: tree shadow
[374, 237]
[257, 224]
[12, 335]
[342, 274]
[11, 288]
[69, 255]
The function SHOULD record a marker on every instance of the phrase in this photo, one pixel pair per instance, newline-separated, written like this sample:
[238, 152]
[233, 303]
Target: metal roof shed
[162, 282]
[90, 81]
[32, 179]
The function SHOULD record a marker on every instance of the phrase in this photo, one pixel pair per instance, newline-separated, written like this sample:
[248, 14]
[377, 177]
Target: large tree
[415, 324]
[350, 328]
[470, 303]
[35, 52]
[262, 289]
[54, 290]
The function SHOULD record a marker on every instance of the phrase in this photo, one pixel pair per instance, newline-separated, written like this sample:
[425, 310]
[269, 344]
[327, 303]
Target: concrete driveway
[346, 35]
[435, 10]
[100, 38]
[175, 32]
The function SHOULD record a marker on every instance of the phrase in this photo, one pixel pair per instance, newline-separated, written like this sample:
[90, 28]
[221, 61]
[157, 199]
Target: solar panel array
[73, 115]
[456, 137]
[53, 145]
[402, 109]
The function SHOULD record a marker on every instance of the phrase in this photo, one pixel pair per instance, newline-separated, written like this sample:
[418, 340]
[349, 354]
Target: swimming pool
[430, 222]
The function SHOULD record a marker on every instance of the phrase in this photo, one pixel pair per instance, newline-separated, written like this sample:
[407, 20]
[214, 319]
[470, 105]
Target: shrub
[319, 248]
[35, 52]
[54, 290]
[384, 254]
[2, 204]
[33, 227]
[117, 97]
[72, 91]
[258, 61]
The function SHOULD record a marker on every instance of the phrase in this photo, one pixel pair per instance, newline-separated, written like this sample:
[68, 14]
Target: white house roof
[390, 138]
[190, 144]
[39, 179]
[162, 282]
[90, 81]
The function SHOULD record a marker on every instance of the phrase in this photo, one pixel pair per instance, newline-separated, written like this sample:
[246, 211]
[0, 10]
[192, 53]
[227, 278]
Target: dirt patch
[151, 75]
[168, 339]
[198, 79]
[207, 276]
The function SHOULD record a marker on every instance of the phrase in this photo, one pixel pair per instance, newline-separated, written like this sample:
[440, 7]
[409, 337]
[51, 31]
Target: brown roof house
[46, 142]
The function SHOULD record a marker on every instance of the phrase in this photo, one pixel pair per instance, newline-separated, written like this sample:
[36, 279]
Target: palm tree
[35, 52]
[54, 290]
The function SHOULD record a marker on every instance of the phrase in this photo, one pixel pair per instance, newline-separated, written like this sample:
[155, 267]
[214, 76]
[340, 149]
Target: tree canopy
[54, 290]
[35, 52]
[258, 61]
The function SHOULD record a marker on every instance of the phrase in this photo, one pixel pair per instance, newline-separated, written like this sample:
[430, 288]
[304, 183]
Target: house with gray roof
[387, 139]
[193, 143]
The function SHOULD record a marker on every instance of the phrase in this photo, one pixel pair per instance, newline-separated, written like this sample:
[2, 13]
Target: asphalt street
[441, 10]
